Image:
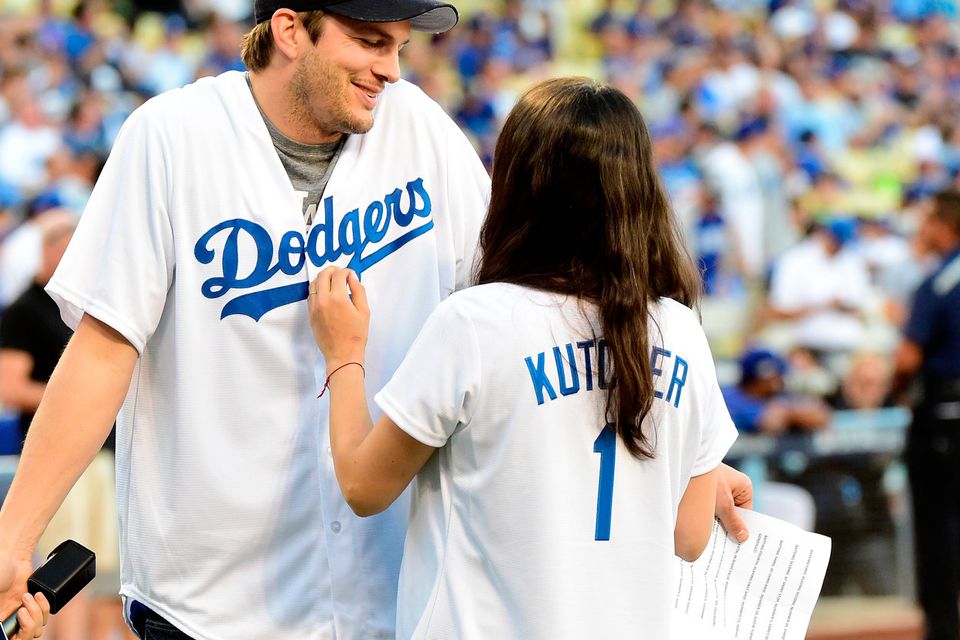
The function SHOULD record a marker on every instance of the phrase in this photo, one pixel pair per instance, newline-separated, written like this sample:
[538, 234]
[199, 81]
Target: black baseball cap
[424, 15]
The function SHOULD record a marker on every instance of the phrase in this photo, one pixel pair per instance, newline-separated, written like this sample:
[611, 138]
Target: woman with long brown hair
[562, 417]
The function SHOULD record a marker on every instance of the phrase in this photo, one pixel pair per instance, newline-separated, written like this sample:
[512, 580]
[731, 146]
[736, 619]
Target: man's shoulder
[406, 91]
[206, 97]
[405, 100]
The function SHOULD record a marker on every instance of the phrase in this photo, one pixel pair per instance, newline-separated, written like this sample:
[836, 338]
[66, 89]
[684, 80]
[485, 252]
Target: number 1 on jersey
[606, 446]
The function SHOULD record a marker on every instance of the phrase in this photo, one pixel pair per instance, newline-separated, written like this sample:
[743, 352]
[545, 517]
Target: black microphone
[68, 569]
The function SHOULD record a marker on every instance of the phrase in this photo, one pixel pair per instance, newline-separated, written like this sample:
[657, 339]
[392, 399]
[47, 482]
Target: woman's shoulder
[670, 310]
[497, 293]
[501, 302]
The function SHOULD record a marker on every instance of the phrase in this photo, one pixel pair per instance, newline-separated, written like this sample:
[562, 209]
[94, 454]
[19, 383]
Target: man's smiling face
[337, 83]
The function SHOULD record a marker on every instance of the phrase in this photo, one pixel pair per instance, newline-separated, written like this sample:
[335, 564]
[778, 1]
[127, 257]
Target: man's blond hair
[257, 47]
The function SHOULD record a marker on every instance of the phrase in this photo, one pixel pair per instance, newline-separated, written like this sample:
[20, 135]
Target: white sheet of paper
[763, 589]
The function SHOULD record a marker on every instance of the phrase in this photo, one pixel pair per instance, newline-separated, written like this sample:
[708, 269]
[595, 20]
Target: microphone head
[68, 569]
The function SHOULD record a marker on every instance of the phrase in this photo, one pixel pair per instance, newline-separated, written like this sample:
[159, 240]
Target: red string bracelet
[326, 385]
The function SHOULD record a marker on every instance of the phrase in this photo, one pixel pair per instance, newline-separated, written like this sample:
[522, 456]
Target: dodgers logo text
[357, 235]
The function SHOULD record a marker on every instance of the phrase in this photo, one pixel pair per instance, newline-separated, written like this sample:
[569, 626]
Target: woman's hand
[734, 489]
[340, 321]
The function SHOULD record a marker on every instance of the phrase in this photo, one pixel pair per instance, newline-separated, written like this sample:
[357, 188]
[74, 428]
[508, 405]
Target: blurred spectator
[867, 385]
[715, 250]
[809, 156]
[223, 39]
[820, 288]
[477, 115]
[523, 35]
[761, 147]
[759, 403]
[732, 176]
[472, 53]
[84, 130]
[911, 10]
[20, 257]
[26, 142]
[71, 179]
[932, 177]
[681, 177]
[858, 517]
[930, 350]
[809, 376]
[32, 335]
[894, 269]
[608, 15]
[641, 23]
[847, 491]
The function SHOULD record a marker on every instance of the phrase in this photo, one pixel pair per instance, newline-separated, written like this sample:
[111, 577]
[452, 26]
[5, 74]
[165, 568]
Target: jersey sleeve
[468, 194]
[435, 389]
[119, 265]
[717, 431]
[717, 435]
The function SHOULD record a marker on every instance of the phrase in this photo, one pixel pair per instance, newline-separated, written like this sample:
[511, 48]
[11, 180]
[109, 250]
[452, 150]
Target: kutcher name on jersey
[562, 370]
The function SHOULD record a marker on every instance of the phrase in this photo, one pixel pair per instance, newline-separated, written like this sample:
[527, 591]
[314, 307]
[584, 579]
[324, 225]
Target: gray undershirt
[308, 165]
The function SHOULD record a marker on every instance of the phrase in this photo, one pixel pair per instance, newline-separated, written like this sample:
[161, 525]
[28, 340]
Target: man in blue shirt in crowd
[930, 351]
[759, 404]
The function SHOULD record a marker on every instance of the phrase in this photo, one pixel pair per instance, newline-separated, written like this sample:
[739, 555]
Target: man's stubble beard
[315, 75]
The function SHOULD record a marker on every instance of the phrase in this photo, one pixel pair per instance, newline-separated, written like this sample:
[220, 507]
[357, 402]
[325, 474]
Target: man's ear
[284, 28]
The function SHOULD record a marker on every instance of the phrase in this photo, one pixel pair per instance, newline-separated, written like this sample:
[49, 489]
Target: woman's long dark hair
[577, 209]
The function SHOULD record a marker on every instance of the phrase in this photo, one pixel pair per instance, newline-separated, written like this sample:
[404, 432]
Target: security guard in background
[930, 354]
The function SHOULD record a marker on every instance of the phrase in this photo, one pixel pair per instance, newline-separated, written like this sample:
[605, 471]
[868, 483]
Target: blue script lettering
[324, 245]
[229, 260]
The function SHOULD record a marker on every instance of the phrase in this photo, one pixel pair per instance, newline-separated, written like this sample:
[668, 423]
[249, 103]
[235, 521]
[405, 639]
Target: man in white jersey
[186, 283]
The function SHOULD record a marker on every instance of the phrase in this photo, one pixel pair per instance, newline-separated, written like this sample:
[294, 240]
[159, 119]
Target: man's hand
[734, 489]
[32, 611]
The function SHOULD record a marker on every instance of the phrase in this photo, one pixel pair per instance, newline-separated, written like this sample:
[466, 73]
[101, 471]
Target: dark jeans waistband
[143, 619]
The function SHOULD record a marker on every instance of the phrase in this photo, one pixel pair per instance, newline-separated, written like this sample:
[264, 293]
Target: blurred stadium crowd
[800, 141]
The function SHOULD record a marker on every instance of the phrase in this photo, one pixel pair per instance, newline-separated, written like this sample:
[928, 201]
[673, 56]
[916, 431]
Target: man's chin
[359, 124]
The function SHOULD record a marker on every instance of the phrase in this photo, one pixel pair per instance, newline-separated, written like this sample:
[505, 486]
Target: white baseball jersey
[532, 520]
[193, 247]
